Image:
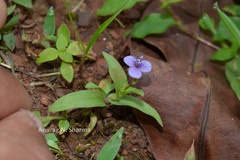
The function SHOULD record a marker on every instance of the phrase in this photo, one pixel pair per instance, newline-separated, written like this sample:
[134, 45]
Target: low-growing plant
[65, 49]
[102, 96]
[6, 33]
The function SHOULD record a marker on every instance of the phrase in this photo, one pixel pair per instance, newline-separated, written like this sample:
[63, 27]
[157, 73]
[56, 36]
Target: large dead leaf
[192, 105]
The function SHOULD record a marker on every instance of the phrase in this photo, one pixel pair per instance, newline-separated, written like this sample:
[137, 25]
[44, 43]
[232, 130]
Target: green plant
[6, 34]
[110, 149]
[227, 35]
[66, 48]
[102, 96]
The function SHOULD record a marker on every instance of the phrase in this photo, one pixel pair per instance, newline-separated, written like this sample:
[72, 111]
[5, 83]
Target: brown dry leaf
[190, 155]
[193, 102]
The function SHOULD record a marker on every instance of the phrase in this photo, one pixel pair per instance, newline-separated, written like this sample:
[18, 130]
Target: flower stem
[70, 17]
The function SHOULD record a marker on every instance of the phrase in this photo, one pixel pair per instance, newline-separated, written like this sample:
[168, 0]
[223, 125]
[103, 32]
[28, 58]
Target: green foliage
[138, 104]
[24, 3]
[233, 9]
[11, 9]
[63, 126]
[49, 23]
[9, 40]
[64, 51]
[116, 72]
[152, 24]
[79, 99]
[105, 25]
[52, 142]
[49, 54]
[231, 27]
[233, 75]
[207, 23]
[222, 33]
[111, 6]
[168, 2]
[67, 71]
[110, 149]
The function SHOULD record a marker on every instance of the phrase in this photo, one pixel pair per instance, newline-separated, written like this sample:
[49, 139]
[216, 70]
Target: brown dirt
[135, 145]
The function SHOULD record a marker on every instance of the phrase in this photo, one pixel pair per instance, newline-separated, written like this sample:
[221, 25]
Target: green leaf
[46, 44]
[74, 49]
[152, 24]
[233, 9]
[52, 38]
[49, 23]
[231, 27]
[104, 26]
[63, 29]
[44, 120]
[61, 43]
[10, 9]
[0, 60]
[66, 57]
[79, 99]
[53, 145]
[116, 72]
[110, 149]
[168, 2]
[130, 90]
[67, 71]
[107, 85]
[207, 23]
[222, 54]
[11, 23]
[52, 137]
[233, 75]
[223, 34]
[138, 104]
[111, 6]
[46, 55]
[24, 3]
[63, 126]
[92, 124]
[9, 40]
[92, 85]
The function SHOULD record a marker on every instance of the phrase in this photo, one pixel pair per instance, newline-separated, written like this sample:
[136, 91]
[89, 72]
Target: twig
[29, 25]
[6, 66]
[77, 6]
[49, 74]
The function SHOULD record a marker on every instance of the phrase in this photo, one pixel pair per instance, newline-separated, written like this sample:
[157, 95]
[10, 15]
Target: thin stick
[77, 6]
[49, 74]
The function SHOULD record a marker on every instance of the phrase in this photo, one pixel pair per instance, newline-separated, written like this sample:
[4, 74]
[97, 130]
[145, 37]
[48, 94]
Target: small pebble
[106, 113]
[44, 100]
[124, 152]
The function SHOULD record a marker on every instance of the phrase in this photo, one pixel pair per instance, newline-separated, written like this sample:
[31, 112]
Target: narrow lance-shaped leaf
[138, 104]
[49, 23]
[103, 27]
[207, 23]
[116, 72]
[24, 3]
[110, 149]
[168, 2]
[111, 6]
[9, 40]
[10, 9]
[231, 27]
[79, 99]
[11, 23]
[152, 24]
[92, 124]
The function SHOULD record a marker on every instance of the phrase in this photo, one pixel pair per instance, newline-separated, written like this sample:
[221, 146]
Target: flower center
[139, 61]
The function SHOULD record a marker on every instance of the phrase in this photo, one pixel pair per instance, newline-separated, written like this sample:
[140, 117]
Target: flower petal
[145, 66]
[134, 73]
[130, 61]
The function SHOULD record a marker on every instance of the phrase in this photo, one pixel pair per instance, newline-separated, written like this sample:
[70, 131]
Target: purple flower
[137, 66]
